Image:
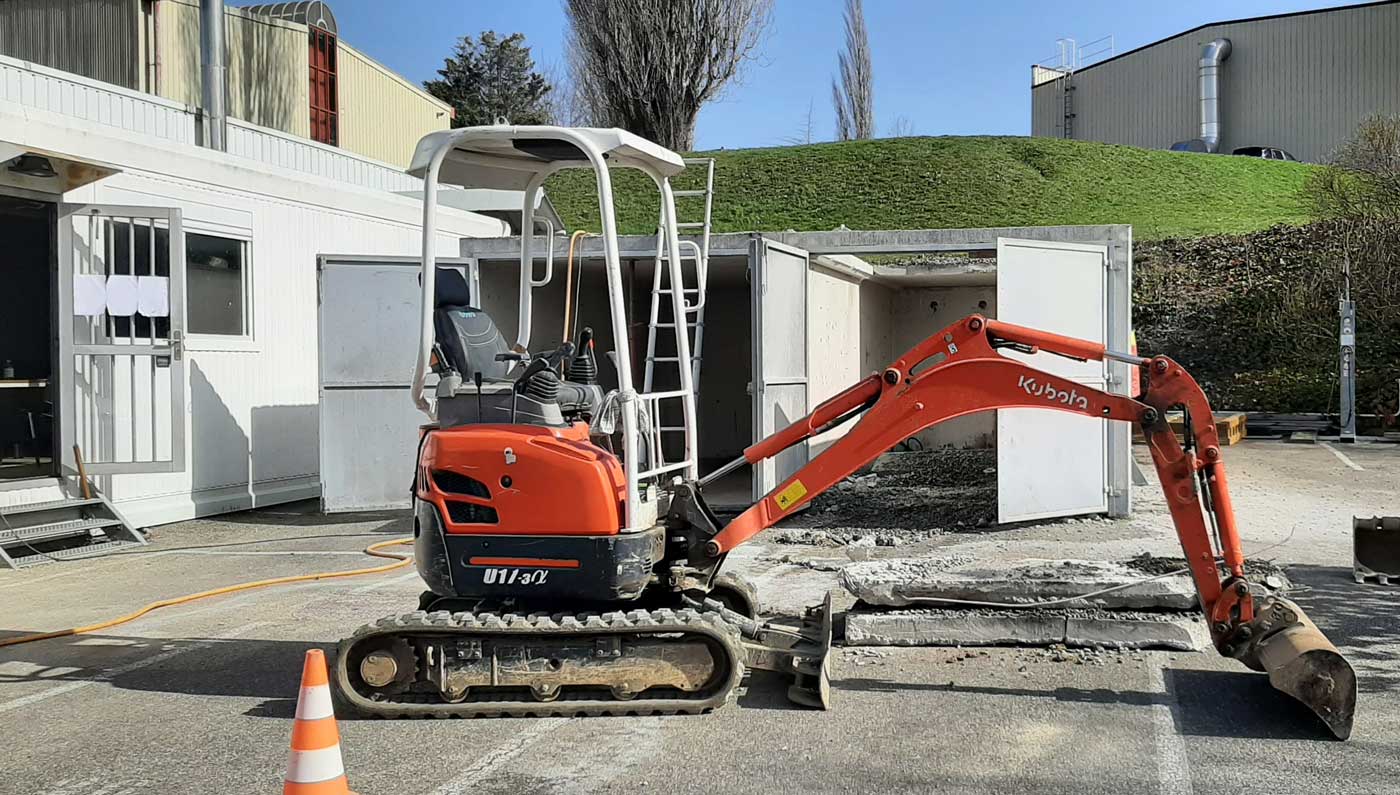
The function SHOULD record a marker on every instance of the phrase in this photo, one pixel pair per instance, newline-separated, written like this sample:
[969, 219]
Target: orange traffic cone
[315, 767]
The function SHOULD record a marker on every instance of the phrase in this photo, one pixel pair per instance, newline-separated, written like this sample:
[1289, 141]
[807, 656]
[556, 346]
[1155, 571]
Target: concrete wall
[267, 65]
[100, 39]
[1301, 82]
[383, 115]
[917, 312]
[848, 326]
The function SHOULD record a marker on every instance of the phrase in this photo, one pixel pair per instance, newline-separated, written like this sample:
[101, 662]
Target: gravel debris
[907, 496]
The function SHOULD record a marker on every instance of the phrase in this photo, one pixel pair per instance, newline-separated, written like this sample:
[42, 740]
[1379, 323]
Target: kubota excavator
[566, 578]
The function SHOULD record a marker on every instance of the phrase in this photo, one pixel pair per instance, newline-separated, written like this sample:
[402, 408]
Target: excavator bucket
[1301, 662]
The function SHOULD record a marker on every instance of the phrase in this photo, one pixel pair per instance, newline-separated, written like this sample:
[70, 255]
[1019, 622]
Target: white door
[1053, 463]
[121, 326]
[779, 278]
[368, 343]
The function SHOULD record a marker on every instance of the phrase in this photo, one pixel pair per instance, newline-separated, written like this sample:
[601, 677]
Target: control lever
[476, 379]
[537, 365]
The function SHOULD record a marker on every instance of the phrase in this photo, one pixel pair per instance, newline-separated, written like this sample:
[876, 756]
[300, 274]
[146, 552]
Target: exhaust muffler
[1303, 663]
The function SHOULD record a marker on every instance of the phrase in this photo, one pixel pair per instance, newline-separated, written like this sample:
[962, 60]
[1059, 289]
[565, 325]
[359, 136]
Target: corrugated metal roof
[1263, 18]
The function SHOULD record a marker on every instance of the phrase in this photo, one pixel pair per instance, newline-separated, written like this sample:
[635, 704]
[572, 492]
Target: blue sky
[950, 68]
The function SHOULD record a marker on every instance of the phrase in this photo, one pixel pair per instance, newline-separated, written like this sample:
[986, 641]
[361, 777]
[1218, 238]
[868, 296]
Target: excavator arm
[960, 371]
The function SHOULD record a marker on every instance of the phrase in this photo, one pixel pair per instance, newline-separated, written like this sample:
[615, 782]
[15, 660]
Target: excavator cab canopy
[508, 157]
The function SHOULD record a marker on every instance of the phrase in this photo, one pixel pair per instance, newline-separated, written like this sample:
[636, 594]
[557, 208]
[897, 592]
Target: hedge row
[1255, 318]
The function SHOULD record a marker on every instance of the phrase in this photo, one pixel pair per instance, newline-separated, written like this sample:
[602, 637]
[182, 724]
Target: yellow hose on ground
[373, 549]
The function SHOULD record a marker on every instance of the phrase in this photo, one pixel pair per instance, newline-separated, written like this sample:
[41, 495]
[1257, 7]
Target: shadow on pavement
[1208, 703]
[242, 668]
[307, 513]
[1239, 704]
[1360, 620]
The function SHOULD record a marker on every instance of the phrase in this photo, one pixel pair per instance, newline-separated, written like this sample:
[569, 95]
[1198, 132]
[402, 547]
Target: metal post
[1347, 377]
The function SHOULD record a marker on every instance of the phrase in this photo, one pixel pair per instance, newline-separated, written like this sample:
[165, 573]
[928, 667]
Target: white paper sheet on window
[121, 296]
[153, 296]
[89, 294]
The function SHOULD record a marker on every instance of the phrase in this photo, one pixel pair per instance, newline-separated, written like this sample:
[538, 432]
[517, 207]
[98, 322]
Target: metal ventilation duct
[213, 72]
[1211, 57]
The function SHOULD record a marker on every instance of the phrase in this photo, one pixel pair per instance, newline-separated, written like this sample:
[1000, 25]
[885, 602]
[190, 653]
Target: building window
[216, 285]
[325, 115]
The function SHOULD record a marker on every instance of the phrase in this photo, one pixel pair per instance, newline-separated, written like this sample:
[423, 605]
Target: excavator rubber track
[476, 664]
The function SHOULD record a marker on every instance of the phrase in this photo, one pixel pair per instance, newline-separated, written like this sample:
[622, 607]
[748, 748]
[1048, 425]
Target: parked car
[1266, 152]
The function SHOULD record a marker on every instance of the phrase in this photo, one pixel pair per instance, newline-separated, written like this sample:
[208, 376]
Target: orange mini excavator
[573, 569]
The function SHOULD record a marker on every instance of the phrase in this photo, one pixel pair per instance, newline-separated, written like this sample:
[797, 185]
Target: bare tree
[804, 133]
[1362, 179]
[853, 92]
[901, 127]
[648, 66]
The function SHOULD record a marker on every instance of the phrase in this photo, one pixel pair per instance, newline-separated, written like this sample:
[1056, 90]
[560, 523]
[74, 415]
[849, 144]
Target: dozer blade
[1301, 662]
[804, 653]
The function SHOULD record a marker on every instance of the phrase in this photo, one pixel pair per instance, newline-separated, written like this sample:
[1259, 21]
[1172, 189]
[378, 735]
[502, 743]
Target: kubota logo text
[1050, 393]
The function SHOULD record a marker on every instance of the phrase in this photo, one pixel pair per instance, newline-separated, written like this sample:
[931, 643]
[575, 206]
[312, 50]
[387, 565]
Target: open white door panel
[1052, 463]
[121, 327]
[779, 275]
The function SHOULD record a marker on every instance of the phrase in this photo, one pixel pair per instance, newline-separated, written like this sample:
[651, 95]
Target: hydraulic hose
[400, 560]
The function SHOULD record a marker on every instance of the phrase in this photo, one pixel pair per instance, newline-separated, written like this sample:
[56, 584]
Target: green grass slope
[930, 183]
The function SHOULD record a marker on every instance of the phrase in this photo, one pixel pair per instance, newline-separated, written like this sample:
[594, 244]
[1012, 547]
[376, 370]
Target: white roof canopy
[506, 157]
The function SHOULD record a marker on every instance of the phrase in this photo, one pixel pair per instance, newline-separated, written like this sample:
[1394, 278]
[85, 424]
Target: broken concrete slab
[1084, 629]
[951, 628]
[906, 581]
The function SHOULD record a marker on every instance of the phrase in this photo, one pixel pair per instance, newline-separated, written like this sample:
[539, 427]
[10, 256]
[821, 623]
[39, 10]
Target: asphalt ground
[199, 698]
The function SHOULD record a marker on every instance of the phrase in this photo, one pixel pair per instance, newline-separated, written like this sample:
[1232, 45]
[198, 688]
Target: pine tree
[492, 78]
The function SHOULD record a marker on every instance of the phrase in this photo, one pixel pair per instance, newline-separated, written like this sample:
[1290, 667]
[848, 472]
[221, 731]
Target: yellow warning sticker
[794, 492]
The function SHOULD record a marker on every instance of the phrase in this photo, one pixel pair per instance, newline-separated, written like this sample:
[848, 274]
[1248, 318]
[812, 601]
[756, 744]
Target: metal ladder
[694, 314]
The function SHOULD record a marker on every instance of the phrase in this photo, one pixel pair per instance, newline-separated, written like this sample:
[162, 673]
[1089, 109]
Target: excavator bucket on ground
[1303, 663]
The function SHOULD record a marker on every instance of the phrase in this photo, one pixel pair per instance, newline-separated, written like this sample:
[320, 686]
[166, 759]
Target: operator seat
[470, 343]
[466, 335]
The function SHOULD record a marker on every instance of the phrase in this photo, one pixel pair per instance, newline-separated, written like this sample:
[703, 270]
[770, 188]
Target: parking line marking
[1173, 766]
[1343, 458]
[108, 675]
[483, 767]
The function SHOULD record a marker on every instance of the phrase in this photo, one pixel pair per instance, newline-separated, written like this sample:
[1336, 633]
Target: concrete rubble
[907, 581]
[895, 606]
[987, 627]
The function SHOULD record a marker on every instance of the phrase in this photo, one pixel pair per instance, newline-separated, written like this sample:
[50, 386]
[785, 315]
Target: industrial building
[1298, 82]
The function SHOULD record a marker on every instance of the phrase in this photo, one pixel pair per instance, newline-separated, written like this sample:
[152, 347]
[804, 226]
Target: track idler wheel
[1303, 663]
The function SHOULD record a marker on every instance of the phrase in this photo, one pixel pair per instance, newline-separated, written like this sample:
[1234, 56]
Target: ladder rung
[681, 194]
[667, 290]
[690, 224]
[687, 325]
[663, 358]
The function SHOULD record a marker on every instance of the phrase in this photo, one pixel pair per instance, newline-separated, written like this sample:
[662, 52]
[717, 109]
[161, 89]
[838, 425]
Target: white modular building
[160, 316]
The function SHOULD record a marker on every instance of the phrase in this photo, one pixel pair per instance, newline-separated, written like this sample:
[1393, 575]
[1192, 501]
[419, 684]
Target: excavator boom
[960, 371]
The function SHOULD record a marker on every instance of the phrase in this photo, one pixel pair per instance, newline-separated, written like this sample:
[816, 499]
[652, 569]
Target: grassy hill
[947, 182]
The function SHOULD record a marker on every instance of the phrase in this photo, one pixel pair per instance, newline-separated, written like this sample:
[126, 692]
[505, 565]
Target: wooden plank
[1231, 427]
